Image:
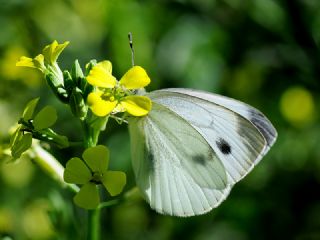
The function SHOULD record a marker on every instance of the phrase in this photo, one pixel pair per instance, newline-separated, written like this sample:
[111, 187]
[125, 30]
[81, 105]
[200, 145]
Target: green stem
[50, 165]
[94, 220]
[91, 129]
[87, 141]
[109, 203]
[93, 232]
[94, 224]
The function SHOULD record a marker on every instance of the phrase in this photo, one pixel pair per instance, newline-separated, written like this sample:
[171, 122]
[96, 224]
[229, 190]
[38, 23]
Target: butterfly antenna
[131, 46]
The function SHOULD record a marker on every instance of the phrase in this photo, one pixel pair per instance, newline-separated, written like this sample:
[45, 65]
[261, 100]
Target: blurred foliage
[263, 52]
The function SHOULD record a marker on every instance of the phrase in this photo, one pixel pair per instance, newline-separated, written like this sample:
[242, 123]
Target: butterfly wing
[248, 112]
[239, 134]
[175, 167]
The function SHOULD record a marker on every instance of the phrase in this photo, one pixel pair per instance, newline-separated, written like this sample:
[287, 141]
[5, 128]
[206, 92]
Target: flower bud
[57, 87]
[76, 71]
[77, 104]
[69, 84]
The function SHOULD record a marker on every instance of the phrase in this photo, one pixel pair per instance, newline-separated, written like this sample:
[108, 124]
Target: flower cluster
[109, 96]
[96, 89]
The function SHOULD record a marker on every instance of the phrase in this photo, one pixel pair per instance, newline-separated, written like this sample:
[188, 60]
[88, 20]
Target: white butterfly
[193, 146]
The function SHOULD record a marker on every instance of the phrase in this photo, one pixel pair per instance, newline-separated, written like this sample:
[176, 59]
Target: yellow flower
[49, 55]
[115, 96]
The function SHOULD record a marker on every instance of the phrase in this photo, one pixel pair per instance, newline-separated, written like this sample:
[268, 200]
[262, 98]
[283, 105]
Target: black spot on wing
[223, 146]
[264, 126]
[199, 159]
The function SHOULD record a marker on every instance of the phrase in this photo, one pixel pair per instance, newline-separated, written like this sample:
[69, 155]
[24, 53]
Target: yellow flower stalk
[115, 96]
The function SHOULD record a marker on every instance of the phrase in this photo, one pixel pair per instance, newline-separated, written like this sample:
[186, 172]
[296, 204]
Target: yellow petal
[107, 65]
[37, 62]
[25, 62]
[136, 77]
[136, 105]
[99, 106]
[100, 75]
[52, 51]
[48, 50]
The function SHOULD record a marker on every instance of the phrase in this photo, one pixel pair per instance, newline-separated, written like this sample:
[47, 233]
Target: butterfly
[193, 146]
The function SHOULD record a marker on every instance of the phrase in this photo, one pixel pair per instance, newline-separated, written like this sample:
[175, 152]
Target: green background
[262, 52]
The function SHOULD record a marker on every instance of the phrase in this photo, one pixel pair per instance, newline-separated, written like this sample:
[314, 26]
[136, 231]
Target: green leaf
[76, 172]
[21, 144]
[114, 181]
[97, 158]
[45, 118]
[29, 109]
[87, 197]
[15, 136]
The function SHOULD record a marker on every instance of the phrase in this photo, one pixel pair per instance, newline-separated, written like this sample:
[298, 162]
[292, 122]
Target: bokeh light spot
[10, 71]
[36, 222]
[297, 106]
[17, 174]
[6, 220]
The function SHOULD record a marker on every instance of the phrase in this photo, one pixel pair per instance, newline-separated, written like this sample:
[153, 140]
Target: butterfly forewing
[175, 167]
[251, 114]
[238, 142]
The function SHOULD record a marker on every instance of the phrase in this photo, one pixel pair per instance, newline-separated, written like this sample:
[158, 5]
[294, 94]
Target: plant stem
[93, 232]
[50, 165]
[94, 224]
[87, 141]
[109, 203]
[94, 220]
